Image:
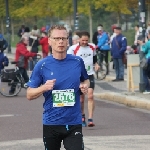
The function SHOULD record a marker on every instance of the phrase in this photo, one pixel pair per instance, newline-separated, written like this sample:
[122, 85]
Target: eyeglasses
[59, 38]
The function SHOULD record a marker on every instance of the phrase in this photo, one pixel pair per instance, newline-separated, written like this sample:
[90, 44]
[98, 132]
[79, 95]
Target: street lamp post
[76, 22]
[142, 29]
[8, 26]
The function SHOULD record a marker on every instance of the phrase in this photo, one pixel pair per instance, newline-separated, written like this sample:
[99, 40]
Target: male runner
[87, 51]
[60, 77]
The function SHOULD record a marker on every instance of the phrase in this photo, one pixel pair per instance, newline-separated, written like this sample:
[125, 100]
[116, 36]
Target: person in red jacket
[21, 57]
[44, 43]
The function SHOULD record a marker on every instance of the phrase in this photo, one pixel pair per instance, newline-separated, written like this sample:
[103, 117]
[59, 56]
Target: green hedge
[130, 35]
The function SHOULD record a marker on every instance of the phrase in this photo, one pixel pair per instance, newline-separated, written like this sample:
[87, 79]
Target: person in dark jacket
[21, 31]
[3, 61]
[3, 43]
[119, 46]
[33, 44]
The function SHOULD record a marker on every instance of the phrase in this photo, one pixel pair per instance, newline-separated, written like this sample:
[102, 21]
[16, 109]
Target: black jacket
[94, 39]
[35, 45]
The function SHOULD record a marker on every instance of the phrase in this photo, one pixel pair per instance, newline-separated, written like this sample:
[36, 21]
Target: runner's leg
[91, 103]
[74, 139]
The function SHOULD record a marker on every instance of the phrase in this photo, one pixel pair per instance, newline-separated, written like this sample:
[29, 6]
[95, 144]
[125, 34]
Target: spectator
[33, 43]
[95, 35]
[146, 49]
[36, 31]
[3, 43]
[21, 31]
[119, 46]
[137, 33]
[26, 32]
[22, 55]
[3, 61]
[103, 45]
[44, 43]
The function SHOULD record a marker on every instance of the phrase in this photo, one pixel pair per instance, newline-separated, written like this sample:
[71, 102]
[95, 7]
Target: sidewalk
[113, 91]
[117, 92]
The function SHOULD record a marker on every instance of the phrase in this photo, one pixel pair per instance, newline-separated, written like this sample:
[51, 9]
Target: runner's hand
[49, 85]
[97, 67]
[84, 88]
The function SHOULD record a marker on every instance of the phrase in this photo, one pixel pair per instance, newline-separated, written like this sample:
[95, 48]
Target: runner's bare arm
[84, 86]
[33, 93]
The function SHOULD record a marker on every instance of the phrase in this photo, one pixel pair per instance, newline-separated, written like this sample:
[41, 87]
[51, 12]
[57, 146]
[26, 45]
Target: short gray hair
[59, 27]
[75, 37]
[23, 38]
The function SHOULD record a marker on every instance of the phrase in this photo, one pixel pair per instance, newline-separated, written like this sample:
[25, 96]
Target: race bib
[87, 68]
[63, 98]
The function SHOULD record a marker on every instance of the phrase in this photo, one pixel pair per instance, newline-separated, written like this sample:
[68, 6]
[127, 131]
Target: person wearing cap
[95, 35]
[103, 45]
[119, 46]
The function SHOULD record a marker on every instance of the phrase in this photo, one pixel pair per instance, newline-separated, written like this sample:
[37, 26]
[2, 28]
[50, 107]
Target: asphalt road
[117, 126]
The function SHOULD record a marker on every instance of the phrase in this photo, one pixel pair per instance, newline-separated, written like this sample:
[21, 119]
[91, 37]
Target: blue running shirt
[68, 73]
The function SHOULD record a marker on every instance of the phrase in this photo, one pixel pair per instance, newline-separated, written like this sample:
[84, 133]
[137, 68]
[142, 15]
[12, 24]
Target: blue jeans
[146, 81]
[119, 68]
[32, 63]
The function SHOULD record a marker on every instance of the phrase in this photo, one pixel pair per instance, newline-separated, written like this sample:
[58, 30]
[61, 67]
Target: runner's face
[58, 40]
[84, 41]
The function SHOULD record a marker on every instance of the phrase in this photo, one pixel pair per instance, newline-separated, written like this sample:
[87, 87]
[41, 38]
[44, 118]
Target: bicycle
[9, 78]
[102, 72]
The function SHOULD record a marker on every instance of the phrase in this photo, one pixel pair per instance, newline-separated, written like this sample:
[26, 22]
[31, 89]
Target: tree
[87, 10]
[2, 15]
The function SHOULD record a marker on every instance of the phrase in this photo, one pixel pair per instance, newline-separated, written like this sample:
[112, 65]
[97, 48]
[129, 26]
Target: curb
[131, 101]
[110, 78]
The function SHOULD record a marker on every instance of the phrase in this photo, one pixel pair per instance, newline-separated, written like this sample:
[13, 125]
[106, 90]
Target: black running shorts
[71, 136]
[92, 81]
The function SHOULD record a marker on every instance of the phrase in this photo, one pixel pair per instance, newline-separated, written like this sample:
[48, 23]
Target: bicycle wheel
[102, 72]
[6, 85]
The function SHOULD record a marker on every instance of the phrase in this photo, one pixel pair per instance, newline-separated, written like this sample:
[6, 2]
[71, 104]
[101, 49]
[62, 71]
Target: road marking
[129, 142]
[6, 115]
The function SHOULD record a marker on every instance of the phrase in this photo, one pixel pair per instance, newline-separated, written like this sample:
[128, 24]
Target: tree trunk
[35, 19]
[12, 30]
[2, 25]
[126, 20]
[118, 18]
[90, 23]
